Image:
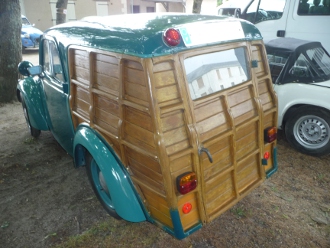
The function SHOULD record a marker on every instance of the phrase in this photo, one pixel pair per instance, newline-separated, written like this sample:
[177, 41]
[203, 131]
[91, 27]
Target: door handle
[280, 33]
[203, 149]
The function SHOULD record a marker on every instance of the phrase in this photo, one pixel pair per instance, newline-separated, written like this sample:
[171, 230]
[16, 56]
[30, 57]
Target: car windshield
[25, 21]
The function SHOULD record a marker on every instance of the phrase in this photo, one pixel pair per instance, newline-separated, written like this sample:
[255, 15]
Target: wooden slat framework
[143, 109]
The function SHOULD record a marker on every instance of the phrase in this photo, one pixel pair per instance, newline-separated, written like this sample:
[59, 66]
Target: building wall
[43, 13]
[38, 12]
[208, 7]
[143, 5]
[172, 7]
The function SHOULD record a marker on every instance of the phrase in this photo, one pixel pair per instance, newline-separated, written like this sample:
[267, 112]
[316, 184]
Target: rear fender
[124, 197]
[30, 89]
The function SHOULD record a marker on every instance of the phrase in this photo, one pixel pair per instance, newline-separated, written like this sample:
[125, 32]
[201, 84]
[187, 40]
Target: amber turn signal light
[186, 182]
[270, 134]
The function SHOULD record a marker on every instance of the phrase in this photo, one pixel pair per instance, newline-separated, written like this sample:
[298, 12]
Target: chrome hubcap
[311, 132]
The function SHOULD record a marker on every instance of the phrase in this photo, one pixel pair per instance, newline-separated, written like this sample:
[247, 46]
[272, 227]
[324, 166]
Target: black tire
[308, 130]
[33, 131]
[99, 186]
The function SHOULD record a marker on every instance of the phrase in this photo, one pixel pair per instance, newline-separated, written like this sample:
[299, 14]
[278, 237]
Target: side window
[276, 64]
[314, 7]
[320, 61]
[268, 10]
[301, 68]
[213, 72]
[51, 61]
[46, 58]
[56, 62]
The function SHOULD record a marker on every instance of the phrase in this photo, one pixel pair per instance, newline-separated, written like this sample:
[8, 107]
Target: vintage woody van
[173, 115]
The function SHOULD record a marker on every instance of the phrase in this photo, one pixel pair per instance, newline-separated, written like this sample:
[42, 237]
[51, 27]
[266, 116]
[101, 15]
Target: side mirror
[23, 68]
[35, 70]
[237, 13]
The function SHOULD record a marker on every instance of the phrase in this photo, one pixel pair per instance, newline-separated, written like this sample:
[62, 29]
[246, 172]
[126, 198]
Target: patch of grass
[320, 177]
[327, 230]
[115, 233]
[274, 189]
[30, 140]
[240, 212]
[276, 208]
[50, 235]
[5, 224]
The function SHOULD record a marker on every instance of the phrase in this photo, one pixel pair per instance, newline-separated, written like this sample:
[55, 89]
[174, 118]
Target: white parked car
[301, 75]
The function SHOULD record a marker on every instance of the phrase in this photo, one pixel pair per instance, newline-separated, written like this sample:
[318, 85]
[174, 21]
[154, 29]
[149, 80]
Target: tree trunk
[197, 6]
[61, 8]
[10, 48]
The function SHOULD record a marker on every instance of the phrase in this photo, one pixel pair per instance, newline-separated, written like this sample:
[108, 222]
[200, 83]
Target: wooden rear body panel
[142, 108]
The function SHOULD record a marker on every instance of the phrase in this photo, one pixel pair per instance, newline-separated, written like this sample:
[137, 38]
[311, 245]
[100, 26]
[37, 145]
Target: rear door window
[213, 72]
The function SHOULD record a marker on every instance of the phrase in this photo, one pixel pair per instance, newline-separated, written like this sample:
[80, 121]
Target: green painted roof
[141, 34]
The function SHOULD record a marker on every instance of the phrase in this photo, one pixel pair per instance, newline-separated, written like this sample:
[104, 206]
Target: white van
[300, 19]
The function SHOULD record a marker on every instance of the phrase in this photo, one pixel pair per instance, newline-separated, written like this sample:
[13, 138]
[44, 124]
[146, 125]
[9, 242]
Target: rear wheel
[308, 130]
[99, 186]
[34, 132]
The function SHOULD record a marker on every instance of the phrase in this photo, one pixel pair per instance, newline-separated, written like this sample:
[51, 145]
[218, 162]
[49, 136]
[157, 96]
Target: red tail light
[186, 182]
[270, 134]
[172, 37]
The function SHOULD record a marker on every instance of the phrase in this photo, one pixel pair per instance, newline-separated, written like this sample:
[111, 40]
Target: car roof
[290, 45]
[142, 34]
[291, 49]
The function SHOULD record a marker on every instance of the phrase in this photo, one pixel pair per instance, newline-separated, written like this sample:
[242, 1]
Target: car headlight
[26, 36]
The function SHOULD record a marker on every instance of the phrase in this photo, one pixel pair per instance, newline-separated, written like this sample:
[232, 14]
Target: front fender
[295, 94]
[30, 89]
[123, 195]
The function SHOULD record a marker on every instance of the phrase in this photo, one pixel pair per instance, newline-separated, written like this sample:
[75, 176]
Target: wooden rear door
[228, 116]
